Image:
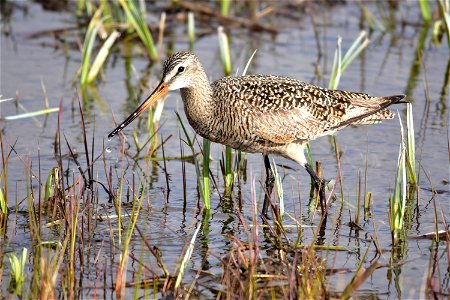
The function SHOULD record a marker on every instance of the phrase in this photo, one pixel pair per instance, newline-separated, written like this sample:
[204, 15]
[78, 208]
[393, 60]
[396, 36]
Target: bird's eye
[180, 69]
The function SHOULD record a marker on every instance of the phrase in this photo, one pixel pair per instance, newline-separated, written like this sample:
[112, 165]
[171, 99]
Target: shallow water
[384, 68]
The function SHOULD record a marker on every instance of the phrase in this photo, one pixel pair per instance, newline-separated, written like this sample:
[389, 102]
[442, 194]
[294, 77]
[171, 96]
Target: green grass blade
[197, 167]
[337, 63]
[135, 17]
[447, 26]
[23, 261]
[188, 139]
[206, 190]
[50, 183]
[88, 45]
[3, 204]
[228, 166]
[15, 267]
[186, 258]
[244, 72]
[411, 147]
[398, 200]
[225, 7]
[355, 49]
[340, 64]
[81, 5]
[278, 187]
[5, 100]
[444, 7]
[360, 275]
[354, 46]
[425, 10]
[102, 55]
[191, 30]
[32, 114]
[17, 271]
[372, 21]
[224, 51]
[309, 155]
[158, 109]
[129, 233]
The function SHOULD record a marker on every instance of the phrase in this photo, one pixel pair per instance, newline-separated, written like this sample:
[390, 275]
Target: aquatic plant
[17, 272]
[398, 200]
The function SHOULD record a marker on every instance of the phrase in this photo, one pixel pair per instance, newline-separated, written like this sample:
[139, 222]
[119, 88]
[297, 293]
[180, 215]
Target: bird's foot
[270, 180]
[321, 183]
[322, 196]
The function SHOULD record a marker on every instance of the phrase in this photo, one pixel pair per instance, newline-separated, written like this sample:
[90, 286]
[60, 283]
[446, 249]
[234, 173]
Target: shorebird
[263, 113]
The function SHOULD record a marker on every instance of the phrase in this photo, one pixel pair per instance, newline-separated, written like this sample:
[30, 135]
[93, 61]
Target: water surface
[386, 67]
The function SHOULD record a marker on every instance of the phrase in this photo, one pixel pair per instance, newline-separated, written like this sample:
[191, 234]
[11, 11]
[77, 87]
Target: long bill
[159, 91]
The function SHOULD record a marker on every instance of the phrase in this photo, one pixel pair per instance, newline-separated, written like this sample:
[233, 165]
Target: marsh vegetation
[159, 212]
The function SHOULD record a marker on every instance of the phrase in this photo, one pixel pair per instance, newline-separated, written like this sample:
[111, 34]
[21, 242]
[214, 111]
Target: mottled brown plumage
[262, 113]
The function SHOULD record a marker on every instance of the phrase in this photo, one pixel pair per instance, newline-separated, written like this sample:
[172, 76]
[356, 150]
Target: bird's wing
[283, 110]
[285, 126]
[271, 93]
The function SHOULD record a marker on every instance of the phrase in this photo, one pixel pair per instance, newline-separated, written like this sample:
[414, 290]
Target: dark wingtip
[397, 99]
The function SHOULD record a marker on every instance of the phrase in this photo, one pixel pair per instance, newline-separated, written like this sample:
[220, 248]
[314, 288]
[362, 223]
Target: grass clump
[186, 258]
[122, 272]
[341, 63]
[17, 272]
[411, 146]
[103, 23]
[398, 199]
[290, 272]
[88, 45]
[135, 16]
[204, 191]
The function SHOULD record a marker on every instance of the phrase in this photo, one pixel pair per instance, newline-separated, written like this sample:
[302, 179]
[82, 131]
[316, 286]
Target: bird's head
[179, 71]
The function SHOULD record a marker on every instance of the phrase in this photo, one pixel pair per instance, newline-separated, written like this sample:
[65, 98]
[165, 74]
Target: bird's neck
[199, 103]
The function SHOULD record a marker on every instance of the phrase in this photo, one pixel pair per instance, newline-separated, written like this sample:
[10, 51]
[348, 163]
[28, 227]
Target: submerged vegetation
[99, 222]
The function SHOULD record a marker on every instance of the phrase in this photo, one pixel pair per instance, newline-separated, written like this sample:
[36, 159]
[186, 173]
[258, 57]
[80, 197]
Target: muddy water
[385, 68]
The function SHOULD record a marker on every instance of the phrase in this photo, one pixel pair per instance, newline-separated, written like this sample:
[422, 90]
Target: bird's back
[304, 110]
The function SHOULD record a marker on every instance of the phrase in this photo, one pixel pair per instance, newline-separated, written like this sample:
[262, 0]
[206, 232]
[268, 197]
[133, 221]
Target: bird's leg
[320, 185]
[270, 179]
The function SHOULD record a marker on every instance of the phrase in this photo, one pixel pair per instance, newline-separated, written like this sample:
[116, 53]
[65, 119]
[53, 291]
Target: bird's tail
[397, 99]
[372, 112]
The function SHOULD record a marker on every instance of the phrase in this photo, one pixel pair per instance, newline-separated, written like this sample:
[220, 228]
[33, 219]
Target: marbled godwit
[266, 114]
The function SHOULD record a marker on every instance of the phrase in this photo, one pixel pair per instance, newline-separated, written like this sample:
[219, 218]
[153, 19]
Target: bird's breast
[225, 124]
